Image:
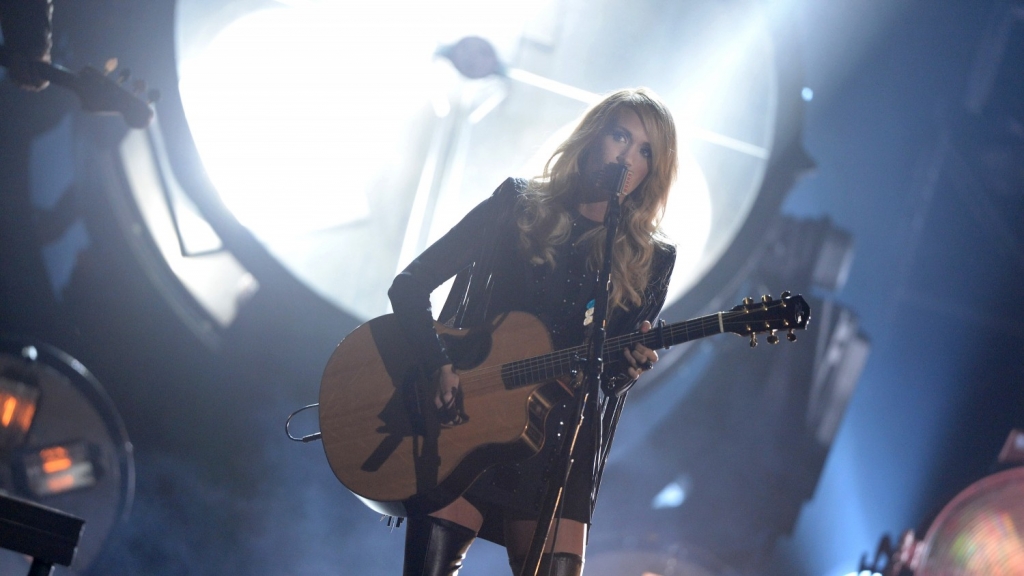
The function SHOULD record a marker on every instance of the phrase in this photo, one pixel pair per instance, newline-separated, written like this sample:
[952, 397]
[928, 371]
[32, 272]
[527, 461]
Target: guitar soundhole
[467, 351]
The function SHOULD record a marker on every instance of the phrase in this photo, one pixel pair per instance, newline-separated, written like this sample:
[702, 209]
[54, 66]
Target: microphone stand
[613, 178]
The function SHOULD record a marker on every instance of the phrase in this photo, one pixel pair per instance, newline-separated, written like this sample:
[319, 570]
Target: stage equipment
[473, 57]
[1013, 448]
[64, 445]
[17, 410]
[58, 469]
[980, 532]
[48, 536]
[185, 259]
[462, 99]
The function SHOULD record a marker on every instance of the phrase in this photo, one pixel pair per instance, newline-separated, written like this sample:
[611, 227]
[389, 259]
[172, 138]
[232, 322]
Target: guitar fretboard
[560, 363]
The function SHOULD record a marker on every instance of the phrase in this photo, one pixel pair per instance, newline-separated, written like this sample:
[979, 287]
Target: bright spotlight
[671, 496]
[297, 110]
[353, 121]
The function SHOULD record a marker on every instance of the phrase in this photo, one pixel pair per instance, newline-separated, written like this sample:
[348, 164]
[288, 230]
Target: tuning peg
[772, 338]
[124, 75]
[766, 298]
[748, 301]
[791, 335]
[753, 339]
[786, 294]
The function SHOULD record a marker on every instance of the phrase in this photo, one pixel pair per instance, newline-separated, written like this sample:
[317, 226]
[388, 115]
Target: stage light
[980, 532]
[74, 456]
[671, 496]
[295, 134]
[326, 127]
[17, 410]
[57, 469]
[1013, 448]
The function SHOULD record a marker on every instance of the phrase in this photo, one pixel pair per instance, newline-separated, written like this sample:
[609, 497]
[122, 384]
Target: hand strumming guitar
[448, 400]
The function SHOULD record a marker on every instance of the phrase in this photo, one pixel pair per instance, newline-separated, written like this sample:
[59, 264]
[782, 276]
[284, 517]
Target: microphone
[608, 183]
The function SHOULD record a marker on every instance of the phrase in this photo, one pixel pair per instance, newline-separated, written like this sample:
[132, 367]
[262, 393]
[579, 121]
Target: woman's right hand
[448, 400]
[448, 383]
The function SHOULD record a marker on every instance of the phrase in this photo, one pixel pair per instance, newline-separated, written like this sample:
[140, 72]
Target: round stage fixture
[62, 444]
[980, 532]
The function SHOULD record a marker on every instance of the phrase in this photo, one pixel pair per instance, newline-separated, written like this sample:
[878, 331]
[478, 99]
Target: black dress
[493, 278]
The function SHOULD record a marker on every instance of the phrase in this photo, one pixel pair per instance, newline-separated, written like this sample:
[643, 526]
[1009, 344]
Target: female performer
[535, 247]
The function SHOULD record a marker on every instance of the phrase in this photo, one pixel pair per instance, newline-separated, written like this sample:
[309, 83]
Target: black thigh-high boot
[434, 546]
[556, 564]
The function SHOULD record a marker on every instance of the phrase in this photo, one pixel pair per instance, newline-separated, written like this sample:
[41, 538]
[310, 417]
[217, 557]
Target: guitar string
[556, 361]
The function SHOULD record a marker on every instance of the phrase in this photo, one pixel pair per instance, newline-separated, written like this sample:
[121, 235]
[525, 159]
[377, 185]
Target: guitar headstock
[753, 317]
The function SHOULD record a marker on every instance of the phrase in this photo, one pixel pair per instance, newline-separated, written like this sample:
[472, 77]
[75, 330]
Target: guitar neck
[671, 334]
[790, 313]
[560, 363]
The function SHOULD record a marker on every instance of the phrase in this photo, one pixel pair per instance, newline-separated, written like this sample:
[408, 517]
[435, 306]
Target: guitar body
[400, 463]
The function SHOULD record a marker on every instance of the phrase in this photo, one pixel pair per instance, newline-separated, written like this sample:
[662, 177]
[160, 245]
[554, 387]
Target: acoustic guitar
[380, 429]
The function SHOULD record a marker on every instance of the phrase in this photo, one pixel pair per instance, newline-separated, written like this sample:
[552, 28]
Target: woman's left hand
[640, 357]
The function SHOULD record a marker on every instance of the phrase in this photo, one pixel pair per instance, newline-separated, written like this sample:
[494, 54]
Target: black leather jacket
[482, 249]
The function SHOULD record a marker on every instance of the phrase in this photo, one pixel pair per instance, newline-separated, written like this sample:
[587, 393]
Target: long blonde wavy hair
[546, 221]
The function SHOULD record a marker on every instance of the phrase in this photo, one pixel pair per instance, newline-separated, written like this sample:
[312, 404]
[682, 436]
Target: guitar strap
[470, 296]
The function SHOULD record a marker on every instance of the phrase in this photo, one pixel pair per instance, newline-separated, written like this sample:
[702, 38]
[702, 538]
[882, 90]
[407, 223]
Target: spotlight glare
[671, 496]
[298, 111]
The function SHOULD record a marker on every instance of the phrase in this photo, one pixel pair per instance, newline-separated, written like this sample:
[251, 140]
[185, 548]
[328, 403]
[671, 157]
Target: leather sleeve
[453, 252]
[654, 301]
